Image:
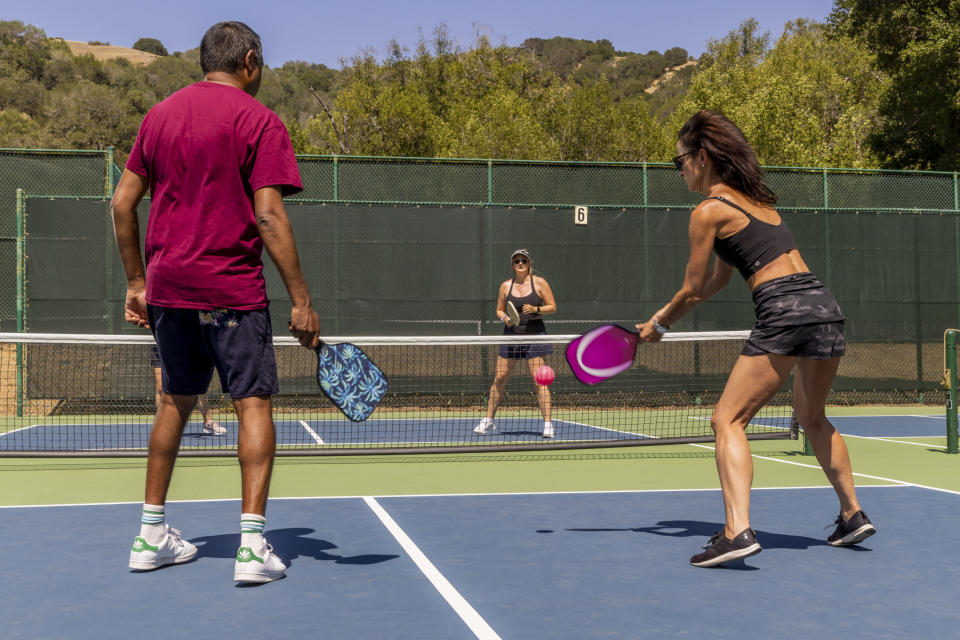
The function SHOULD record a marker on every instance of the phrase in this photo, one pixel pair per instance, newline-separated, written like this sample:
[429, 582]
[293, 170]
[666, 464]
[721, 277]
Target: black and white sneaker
[720, 549]
[852, 531]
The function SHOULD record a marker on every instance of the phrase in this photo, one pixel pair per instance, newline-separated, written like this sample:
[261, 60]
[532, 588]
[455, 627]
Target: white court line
[860, 475]
[463, 609]
[850, 435]
[32, 426]
[313, 434]
[919, 444]
[599, 428]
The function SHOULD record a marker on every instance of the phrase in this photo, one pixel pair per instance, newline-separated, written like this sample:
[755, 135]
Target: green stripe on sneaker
[246, 554]
[140, 544]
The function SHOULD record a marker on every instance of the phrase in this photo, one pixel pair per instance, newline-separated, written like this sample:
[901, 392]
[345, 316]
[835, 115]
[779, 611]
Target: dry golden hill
[109, 52]
[666, 76]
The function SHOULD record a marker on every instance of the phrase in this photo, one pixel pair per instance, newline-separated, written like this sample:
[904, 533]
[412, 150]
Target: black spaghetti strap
[735, 206]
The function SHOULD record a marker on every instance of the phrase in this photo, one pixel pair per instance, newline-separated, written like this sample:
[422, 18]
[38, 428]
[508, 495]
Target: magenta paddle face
[602, 353]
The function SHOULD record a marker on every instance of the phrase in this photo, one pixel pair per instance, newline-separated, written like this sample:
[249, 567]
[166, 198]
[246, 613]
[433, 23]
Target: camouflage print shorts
[796, 316]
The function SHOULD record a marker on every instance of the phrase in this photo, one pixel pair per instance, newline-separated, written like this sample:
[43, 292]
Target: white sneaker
[547, 429]
[214, 428]
[486, 426]
[173, 549]
[258, 563]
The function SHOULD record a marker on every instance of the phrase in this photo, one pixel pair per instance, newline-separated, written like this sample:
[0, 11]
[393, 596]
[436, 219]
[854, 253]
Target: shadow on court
[701, 529]
[291, 543]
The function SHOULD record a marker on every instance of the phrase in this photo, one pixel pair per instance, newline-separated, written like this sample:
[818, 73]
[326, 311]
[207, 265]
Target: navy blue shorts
[192, 342]
[154, 357]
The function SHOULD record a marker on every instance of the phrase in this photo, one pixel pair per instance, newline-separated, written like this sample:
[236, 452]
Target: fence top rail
[85, 152]
[438, 160]
[623, 163]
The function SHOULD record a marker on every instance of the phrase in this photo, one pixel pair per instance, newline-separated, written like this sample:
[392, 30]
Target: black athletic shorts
[514, 351]
[796, 316]
[192, 342]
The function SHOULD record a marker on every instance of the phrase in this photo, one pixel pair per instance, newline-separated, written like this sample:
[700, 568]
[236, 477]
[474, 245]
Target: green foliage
[810, 100]
[918, 45]
[879, 83]
[24, 51]
[150, 45]
[485, 102]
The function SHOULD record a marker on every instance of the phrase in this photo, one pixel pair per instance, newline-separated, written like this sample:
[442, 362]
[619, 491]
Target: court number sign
[580, 215]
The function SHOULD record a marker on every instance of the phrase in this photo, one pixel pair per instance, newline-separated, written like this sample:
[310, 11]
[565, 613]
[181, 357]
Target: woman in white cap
[533, 299]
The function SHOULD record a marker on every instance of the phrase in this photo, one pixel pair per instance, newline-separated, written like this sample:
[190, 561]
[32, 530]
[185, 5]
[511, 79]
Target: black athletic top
[529, 322]
[756, 245]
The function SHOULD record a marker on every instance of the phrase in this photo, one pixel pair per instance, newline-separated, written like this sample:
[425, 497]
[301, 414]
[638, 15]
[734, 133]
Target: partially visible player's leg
[810, 390]
[242, 346]
[210, 425]
[753, 381]
[185, 370]
[159, 545]
[504, 370]
[255, 560]
[543, 395]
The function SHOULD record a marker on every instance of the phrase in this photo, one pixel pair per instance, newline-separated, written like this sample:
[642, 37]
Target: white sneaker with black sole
[172, 549]
[258, 563]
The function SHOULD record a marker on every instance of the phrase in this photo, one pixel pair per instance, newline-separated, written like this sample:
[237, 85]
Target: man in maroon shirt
[217, 164]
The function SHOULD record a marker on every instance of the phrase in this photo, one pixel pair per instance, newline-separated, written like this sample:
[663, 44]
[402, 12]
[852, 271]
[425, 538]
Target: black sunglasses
[520, 261]
[678, 160]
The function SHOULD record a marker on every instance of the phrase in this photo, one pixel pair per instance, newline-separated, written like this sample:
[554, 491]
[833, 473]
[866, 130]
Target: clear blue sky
[328, 31]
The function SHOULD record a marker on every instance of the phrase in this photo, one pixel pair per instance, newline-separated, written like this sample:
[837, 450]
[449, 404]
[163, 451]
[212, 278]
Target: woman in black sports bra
[799, 324]
[532, 297]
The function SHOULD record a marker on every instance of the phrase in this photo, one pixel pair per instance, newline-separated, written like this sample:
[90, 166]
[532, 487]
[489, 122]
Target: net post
[950, 381]
[336, 179]
[489, 182]
[21, 291]
[645, 200]
[109, 159]
[807, 446]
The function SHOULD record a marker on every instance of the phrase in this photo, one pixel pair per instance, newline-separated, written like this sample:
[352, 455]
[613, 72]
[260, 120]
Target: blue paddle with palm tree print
[350, 379]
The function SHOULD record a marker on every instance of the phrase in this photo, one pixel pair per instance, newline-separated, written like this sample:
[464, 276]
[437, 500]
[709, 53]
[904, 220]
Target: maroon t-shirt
[205, 150]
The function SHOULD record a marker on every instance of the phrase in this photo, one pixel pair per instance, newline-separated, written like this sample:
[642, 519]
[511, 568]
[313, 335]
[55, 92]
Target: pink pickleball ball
[544, 375]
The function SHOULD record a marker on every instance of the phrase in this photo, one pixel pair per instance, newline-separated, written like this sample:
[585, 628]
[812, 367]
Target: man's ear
[250, 61]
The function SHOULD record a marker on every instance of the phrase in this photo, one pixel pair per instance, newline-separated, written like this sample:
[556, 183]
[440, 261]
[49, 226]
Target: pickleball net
[93, 395]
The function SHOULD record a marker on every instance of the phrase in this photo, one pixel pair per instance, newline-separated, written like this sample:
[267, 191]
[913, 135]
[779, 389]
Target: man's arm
[123, 208]
[277, 235]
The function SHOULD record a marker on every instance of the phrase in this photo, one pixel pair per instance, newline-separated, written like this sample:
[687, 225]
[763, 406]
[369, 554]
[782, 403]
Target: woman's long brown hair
[733, 157]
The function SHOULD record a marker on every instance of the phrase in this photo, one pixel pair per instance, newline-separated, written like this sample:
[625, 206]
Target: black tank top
[756, 245]
[529, 322]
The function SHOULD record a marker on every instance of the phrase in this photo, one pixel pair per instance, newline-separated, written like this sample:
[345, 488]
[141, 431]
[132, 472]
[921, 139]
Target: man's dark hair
[225, 45]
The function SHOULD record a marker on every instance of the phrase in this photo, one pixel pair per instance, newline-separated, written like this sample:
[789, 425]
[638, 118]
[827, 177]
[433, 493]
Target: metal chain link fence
[47, 173]
[858, 230]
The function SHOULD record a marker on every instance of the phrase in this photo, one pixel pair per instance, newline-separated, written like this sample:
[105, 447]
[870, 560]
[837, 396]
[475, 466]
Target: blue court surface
[450, 431]
[561, 565]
